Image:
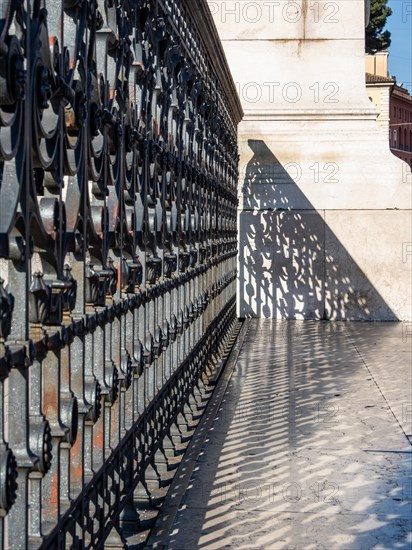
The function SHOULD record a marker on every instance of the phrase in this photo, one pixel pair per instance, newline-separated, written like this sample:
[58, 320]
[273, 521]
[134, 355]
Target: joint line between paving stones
[380, 391]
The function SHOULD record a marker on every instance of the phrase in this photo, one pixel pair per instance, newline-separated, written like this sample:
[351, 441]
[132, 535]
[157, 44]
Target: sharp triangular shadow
[291, 265]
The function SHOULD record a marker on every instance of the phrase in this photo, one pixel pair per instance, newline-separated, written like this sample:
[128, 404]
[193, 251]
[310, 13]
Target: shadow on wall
[292, 266]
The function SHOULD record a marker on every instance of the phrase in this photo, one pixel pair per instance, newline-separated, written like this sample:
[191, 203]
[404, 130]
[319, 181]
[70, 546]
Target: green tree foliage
[376, 38]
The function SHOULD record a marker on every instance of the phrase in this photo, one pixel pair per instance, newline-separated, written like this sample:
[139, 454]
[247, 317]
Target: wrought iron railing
[118, 181]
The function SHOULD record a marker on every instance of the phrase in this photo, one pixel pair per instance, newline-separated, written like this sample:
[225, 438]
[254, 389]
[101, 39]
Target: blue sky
[400, 52]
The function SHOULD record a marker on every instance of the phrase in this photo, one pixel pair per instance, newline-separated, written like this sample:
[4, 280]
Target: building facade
[400, 132]
[393, 103]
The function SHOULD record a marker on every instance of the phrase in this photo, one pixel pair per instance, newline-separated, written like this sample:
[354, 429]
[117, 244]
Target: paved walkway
[308, 448]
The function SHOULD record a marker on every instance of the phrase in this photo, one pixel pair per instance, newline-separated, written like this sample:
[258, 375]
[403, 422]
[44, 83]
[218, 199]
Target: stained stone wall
[324, 207]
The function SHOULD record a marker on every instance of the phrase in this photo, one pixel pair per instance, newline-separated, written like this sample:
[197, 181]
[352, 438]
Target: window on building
[394, 138]
[394, 111]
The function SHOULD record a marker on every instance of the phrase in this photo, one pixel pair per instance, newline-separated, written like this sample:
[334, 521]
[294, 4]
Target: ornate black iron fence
[118, 176]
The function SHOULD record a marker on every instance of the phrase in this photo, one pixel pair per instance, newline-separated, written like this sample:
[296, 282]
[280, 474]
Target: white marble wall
[325, 208]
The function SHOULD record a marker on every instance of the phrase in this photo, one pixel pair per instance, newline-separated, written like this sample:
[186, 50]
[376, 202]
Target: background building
[400, 134]
[394, 105]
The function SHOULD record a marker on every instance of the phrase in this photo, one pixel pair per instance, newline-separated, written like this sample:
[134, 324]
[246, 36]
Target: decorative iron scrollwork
[118, 178]
[8, 477]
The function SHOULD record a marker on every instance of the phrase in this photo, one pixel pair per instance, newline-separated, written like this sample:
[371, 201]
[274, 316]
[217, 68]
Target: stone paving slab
[308, 448]
[291, 531]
